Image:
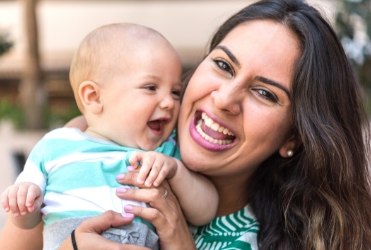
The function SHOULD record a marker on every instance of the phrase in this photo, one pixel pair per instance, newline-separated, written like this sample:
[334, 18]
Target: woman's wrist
[165, 213]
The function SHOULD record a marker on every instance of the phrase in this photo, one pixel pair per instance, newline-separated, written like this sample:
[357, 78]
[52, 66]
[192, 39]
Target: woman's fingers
[87, 235]
[165, 212]
[129, 178]
[147, 195]
[104, 221]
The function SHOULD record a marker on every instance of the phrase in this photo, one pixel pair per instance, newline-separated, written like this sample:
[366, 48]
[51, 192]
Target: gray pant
[135, 233]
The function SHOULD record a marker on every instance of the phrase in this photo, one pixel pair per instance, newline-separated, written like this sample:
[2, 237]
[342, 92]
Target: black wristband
[73, 240]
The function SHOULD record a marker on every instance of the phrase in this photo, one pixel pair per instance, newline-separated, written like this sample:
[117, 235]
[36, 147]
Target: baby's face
[141, 100]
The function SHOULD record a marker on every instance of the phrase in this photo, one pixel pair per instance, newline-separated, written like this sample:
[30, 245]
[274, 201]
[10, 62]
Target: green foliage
[57, 119]
[10, 111]
[52, 119]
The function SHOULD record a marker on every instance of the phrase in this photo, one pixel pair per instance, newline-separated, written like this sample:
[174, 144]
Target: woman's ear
[289, 147]
[89, 94]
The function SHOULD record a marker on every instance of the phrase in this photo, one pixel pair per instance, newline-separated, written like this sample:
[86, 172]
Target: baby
[126, 82]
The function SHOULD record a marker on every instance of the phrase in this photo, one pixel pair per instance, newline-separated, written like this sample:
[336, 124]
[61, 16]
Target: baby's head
[126, 82]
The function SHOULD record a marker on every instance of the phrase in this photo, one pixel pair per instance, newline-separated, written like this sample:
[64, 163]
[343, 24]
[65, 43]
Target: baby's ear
[289, 147]
[89, 93]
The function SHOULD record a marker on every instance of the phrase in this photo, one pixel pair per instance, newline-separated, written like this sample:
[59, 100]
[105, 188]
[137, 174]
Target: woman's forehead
[264, 33]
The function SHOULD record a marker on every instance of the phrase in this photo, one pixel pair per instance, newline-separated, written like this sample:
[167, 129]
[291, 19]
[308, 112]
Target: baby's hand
[154, 167]
[21, 198]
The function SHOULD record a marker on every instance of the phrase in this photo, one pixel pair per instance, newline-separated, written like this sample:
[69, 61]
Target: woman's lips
[210, 134]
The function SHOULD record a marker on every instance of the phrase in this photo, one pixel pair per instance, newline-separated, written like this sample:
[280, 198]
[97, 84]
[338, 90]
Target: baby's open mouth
[157, 125]
[212, 131]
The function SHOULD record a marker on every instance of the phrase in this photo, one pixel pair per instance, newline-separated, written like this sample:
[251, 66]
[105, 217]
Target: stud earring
[290, 153]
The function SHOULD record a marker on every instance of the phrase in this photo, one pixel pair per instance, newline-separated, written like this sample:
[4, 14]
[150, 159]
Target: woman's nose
[228, 97]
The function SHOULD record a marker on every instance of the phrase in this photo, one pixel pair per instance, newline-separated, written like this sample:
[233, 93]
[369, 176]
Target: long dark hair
[320, 197]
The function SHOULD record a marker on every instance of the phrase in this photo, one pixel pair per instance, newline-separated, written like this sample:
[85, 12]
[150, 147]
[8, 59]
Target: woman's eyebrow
[229, 54]
[274, 83]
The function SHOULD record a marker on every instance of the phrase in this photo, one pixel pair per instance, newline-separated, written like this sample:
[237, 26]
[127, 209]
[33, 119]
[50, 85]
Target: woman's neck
[233, 193]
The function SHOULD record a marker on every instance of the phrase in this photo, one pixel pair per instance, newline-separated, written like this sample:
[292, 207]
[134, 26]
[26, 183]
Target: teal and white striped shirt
[77, 173]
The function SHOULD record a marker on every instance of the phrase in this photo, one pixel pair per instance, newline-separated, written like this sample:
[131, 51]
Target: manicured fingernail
[120, 176]
[23, 213]
[127, 215]
[7, 209]
[128, 207]
[121, 190]
[16, 214]
[130, 168]
[148, 184]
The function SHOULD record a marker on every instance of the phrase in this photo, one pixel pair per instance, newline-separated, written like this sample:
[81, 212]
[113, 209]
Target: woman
[277, 79]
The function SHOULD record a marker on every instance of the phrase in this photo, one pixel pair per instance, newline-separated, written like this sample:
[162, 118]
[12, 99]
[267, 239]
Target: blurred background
[39, 37]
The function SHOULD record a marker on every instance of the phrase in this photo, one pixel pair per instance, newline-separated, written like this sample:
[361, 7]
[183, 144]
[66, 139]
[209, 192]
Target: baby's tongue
[155, 125]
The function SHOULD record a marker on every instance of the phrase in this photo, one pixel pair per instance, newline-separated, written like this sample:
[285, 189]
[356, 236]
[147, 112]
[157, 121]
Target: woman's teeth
[214, 126]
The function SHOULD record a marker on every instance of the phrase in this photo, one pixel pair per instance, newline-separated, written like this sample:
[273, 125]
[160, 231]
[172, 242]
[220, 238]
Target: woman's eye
[267, 95]
[224, 66]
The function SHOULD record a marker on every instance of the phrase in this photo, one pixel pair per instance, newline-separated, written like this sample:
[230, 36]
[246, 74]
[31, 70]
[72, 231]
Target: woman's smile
[210, 134]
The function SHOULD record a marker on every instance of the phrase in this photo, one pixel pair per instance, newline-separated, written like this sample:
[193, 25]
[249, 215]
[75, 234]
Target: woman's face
[237, 111]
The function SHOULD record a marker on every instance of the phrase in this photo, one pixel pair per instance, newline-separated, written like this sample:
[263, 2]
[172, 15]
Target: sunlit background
[38, 39]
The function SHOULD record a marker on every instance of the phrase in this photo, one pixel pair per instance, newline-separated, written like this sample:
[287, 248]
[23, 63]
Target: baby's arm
[196, 194]
[22, 202]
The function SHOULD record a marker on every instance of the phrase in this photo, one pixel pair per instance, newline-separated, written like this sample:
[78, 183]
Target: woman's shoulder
[238, 231]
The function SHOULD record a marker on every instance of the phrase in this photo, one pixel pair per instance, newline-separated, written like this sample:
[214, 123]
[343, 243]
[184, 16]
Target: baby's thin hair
[101, 50]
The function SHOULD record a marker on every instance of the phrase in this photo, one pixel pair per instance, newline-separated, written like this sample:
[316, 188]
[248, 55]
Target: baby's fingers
[33, 194]
[135, 158]
[157, 173]
[161, 177]
[12, 198]
[5, 201]
[21, 198]
[146, 168]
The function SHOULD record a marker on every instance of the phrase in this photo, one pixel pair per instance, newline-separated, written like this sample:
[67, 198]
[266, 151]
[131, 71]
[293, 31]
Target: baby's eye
[267, 95]
[224, 66]
[176, 94]
[150, 87]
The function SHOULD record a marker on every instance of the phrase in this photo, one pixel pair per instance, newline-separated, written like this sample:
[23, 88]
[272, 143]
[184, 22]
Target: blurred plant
[51, 119]
[12, 112]
[353, 25]
[5, 44]
[56, 119]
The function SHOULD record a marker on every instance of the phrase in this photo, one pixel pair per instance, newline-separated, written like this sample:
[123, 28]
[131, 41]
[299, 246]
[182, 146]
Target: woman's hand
[87, 235]
[165, 212]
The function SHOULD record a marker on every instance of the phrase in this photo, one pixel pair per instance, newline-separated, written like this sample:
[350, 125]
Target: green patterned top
[234, 231]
